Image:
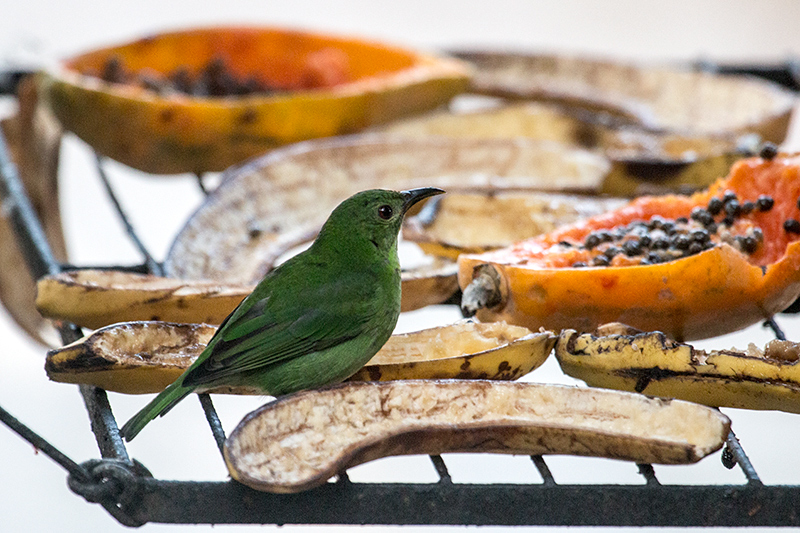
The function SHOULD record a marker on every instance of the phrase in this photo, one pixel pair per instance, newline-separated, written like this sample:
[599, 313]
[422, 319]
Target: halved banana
[657, 366]
[475, 222]
[462, 350]
[97, 298]
[145, 357]
[301, 440]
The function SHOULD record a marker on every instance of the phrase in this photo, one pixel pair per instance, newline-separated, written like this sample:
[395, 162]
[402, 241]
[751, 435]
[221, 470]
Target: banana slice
[476, 222]
[145, 357]
[657, 366]
[299, 441]
[132, 357]
[462, 350]
[97, 298]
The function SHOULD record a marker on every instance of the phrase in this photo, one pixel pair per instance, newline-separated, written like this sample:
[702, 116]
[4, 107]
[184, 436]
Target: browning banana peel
[655, 365]
[301, 440]
[465, 350]
[97, 298]
[145, 357]
[478, 221]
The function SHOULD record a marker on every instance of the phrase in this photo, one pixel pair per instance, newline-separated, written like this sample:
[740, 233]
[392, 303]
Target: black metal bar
[151, 263]
[786, 73]
[213, 419]
[737, 453]
[544, 470]
[41, 261]
[201, 183]
[776, 329]
[43, 446]
[441, 469]
[646, 470]
[104, 425]
[10, 79]
[455, 503]
[136, 269]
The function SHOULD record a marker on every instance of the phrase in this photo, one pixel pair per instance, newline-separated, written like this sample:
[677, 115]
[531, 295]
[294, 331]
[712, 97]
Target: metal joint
[114, 484]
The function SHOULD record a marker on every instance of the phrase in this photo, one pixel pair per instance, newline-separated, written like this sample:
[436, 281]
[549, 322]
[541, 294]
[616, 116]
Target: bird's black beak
[413, 196]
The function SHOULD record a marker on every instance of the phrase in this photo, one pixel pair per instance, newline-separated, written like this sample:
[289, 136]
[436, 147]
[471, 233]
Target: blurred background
[33, 491]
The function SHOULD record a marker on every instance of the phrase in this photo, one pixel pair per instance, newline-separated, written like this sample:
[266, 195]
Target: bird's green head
[372, 217]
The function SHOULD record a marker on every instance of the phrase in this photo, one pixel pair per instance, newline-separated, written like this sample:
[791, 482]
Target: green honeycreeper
[315, 319]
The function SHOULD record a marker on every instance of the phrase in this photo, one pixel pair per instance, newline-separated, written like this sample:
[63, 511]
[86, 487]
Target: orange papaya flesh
[326, 85]
[748, 269]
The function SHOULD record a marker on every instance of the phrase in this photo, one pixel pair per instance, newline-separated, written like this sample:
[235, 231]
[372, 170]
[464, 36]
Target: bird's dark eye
[385, 212]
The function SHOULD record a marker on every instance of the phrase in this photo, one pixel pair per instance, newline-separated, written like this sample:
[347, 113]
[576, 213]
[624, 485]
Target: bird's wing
[266, 334]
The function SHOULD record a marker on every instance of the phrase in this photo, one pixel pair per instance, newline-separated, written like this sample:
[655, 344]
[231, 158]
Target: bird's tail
[162, 403]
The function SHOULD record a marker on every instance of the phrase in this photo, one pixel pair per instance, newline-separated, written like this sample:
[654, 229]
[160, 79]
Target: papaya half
[691, 266]
[205, 99]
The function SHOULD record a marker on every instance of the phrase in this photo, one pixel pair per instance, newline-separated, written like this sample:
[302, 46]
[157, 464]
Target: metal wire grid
[128, 491]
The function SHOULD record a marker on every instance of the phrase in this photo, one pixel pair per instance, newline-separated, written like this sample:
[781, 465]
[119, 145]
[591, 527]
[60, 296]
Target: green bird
[315, 319]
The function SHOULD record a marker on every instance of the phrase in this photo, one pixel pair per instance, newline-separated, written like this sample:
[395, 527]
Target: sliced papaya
[318, 85]
[690, 266]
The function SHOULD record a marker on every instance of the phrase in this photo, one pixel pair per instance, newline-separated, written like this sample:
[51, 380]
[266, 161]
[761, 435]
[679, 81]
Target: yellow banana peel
[97, 298]
[301, 440]
[145, 357]
[655, 365]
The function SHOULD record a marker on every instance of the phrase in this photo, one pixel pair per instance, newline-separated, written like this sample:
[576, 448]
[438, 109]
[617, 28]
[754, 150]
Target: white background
[33, 492]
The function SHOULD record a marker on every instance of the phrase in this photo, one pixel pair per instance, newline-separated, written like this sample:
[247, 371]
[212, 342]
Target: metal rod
[136, 269]
[201, 183]
[441, 469]
[213, 419]
[104, 425]
[41, 261]
[462, 503]
[775, 328]
[649, 474]
[544, 471]
[151, 263]
[43, 446]
[738, 454]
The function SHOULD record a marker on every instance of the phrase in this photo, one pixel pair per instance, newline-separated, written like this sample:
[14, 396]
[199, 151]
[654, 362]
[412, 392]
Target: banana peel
[476, 222]
[131, 357]
[96, 298]
[464, 350]
[641, 161]
[655, 365]
[652, 97]
[263, 209]
[145, 357]
[301, 440]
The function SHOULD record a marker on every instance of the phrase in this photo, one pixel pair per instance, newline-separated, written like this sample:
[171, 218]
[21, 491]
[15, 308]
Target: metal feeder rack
[133, 497]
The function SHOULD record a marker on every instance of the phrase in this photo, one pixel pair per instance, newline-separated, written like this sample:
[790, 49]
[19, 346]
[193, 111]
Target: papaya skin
[180, 133]
[711, 293]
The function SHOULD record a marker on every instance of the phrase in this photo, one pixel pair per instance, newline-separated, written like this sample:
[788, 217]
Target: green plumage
[314, 320]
